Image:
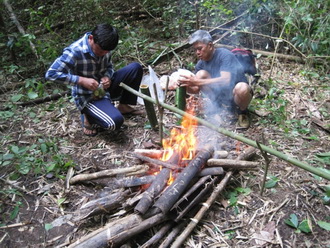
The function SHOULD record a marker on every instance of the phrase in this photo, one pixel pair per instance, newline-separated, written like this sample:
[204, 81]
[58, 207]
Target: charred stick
[171, 236]
[158, 236]
[154, 189]
[157, 162]
[198, 198]
[107, 173]
[192, 189]
[174, 191]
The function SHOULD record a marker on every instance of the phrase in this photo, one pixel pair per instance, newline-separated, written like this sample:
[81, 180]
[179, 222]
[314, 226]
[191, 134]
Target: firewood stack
[174, 209]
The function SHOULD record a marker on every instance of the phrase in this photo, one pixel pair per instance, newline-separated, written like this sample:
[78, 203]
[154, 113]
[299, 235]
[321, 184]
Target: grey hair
[200, 36]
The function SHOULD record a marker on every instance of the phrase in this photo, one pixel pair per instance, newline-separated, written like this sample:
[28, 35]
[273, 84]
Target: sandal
[87, 129]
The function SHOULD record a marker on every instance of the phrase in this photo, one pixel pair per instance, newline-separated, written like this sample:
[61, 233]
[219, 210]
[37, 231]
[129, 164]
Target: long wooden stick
[107, 173]
[250, 142]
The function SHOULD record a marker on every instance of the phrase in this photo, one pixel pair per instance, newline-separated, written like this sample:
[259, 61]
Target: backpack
[247, 60]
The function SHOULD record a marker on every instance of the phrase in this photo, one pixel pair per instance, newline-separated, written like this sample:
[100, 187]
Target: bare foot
[126, 109]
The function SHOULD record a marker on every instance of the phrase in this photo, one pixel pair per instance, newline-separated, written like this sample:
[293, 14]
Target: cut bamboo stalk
[149, 107]
[229, 163]
[180, 97]
[230, 134]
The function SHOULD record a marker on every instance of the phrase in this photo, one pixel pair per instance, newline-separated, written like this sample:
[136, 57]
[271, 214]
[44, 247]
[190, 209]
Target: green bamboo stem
[180, 98]
[241, 138]
[149, 107]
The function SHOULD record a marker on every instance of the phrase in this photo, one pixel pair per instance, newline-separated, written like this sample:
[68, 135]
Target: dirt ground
[240, 216]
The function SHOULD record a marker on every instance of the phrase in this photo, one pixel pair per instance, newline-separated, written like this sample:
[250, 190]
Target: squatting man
[86, 65]
[219, 76]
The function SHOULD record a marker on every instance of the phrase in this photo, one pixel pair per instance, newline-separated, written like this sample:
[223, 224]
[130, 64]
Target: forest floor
[240, 216]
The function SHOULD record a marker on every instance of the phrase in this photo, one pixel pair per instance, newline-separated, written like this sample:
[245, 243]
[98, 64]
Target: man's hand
[187, 80]
[191, 82]
[88, 83]
[106, 82]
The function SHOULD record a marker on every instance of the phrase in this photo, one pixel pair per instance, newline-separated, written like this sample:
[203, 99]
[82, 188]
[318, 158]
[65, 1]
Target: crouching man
[86, 65]
[219, 75]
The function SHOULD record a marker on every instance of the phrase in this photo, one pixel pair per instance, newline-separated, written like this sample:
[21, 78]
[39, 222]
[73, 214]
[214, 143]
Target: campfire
[176, 186]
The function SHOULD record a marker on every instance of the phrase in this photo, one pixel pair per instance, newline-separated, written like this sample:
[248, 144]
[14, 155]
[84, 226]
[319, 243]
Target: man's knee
[203, 74]
[242, 89]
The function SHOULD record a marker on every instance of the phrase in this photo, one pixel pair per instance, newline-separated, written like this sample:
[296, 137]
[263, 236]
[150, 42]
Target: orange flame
[182, 140]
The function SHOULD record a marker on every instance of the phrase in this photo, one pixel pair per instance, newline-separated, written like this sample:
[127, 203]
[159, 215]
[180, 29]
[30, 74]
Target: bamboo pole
[149, 107]
[245, 140]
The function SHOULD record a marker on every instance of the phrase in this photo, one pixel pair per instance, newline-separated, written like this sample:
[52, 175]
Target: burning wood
[155, 188]
[174, 191]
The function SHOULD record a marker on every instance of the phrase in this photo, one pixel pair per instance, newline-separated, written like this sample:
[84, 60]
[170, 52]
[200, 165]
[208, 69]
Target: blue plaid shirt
[77, 60]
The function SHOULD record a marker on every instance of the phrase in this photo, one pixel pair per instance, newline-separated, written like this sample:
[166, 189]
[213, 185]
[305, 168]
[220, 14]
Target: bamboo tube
[180, 98]
[245, 140]
[149, 107]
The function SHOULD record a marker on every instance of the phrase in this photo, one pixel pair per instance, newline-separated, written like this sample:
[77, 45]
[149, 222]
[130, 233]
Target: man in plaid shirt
[86, 65]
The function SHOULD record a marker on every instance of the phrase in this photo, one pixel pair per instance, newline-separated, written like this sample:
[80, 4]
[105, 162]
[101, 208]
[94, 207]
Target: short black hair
[105, 36]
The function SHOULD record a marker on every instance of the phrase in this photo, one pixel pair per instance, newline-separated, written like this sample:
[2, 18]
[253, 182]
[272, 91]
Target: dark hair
[105, 36]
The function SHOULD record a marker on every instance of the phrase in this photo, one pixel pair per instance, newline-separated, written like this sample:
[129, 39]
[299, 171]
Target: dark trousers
[102, 113]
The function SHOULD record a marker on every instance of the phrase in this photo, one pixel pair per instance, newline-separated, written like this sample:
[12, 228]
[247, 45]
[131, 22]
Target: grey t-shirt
[222, 60]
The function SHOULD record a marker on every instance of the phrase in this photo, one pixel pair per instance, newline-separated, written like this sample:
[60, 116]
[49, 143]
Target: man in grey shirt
[219, 75]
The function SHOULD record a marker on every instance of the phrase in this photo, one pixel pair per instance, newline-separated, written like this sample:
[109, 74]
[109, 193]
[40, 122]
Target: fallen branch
[49, 98]
[107, 173]
[230, 134]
